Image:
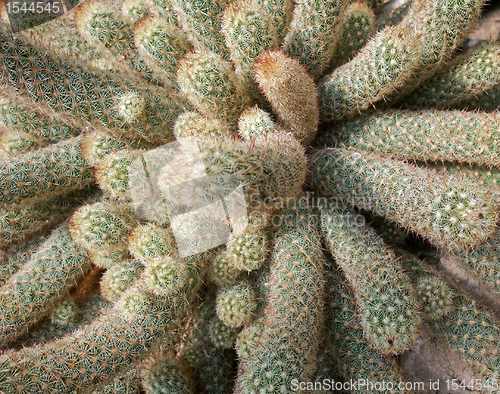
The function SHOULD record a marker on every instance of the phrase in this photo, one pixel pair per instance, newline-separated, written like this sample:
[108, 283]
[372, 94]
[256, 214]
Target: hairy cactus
[128, 127]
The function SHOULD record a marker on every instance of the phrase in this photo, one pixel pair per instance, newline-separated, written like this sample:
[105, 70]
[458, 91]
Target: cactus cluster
[157, 160]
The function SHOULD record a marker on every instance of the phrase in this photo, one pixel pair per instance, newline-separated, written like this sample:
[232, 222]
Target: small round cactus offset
[157, 163]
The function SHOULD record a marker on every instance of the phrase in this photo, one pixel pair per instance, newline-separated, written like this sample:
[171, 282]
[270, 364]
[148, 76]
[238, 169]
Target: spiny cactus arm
[474, 332]
[287, 346]
[201, 20]
[192, 124]
[385, 298]
[47, 277]
[255, 122]
[119, 278]
[430, 135]
[135, 10]
[356, 85]
[314, 32]
[281, 12]
[291, 92]
[103, 26]
[488, 101]
[98, 144]
[435, 295]
[274, 165]
[249, 250]
[447, 211]
[44, 173]
[20, 222]
[211, 86]
[484, 176]
[13, 143]
[95, 354]
[483, 261]
[161, 373]
[62, 36]
[468, 75]
[161, 45]
[11, 262]
[45, 80]
[358, 27]
[346, 346]
[236, 305]
[163, 9]
[124, 383]
[437, 40]
[20, 113]
[112, 173]
[151, 242]
[103, 228]
[248, 30]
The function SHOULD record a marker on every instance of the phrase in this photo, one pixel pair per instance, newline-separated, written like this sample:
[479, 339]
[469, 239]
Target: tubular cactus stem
[34, 123]
[18, 223]
[44, 173]
[161, 45]
[201, 20]
[432, 135]
[287, 347]
[447, 211]
[441, 27]
[473, 331]
[103, 26]
[291, 92]
[313, 33]
[346, 346]
[44, 279]
[97, 352]
[103, 228]
[248, 30]
[468, 75]
[45, 78]
[384, 65]
[250, 162]
[211, 86]
[358, 27]
[385, 298]
[10, 263]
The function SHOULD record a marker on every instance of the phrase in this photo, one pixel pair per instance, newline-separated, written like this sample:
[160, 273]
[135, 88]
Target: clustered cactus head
[156, 163]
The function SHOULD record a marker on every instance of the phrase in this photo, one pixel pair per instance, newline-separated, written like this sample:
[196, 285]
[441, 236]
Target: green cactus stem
[385, 299]
[201, 20]
[382, 66]
[358, 27]
[291, 92]
[211, 86]
[46, 81]
[44, 173]
[287, 346]
[42, 281]
[467, 75]
[346, 347]
[161, 45]
[447, 211]
[454, 136]
[314, 32]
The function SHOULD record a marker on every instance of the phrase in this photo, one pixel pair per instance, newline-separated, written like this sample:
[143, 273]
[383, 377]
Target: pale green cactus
[109, 305]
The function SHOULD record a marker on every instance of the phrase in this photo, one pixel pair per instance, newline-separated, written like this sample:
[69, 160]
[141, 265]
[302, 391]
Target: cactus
[110, 302]
[444, 210]
[388, 308]
[456, 136]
